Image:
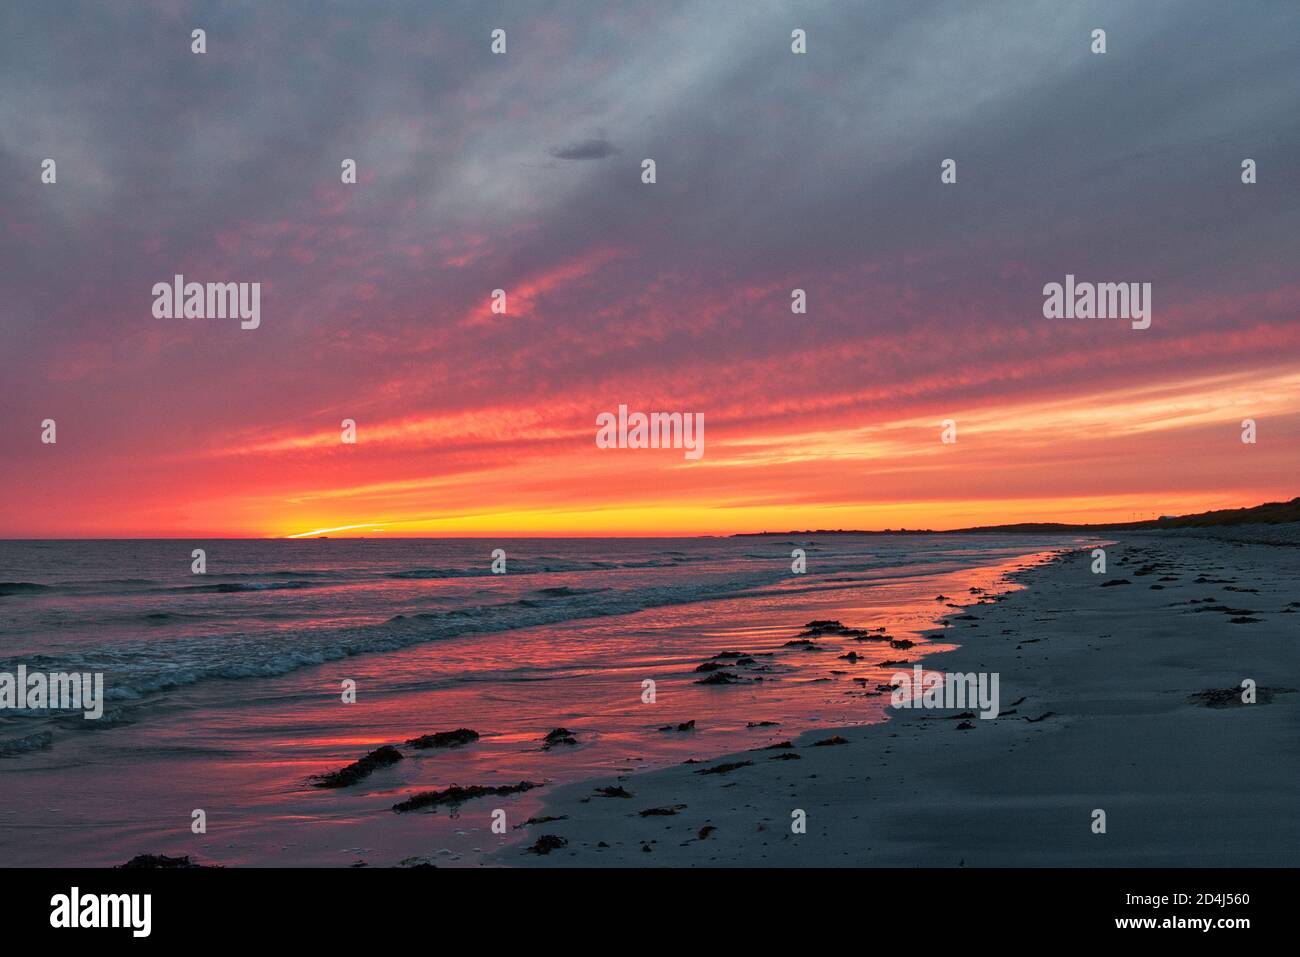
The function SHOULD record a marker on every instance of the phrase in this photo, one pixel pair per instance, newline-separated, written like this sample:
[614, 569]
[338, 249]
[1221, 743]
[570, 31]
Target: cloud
[775, 171]
[586, 150]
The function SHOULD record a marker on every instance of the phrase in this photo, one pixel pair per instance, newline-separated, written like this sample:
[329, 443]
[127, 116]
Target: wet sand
[1098, 686]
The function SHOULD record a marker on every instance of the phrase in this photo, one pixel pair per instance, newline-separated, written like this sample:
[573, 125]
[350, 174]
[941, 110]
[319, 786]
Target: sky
[522, 171]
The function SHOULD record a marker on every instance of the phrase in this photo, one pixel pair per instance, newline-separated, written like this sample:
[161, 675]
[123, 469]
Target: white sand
[1180, 783]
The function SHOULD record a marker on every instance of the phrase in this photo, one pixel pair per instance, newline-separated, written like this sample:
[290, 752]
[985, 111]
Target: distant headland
[1270, 513]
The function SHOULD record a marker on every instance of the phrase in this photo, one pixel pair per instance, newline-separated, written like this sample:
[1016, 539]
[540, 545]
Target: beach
[597, 681]
[1099, 683]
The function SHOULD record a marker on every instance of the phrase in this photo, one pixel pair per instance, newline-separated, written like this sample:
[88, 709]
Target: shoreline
[1107, 675]
[247, 752]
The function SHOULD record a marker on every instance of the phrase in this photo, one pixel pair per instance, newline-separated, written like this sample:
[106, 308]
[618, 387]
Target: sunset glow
[924, 301]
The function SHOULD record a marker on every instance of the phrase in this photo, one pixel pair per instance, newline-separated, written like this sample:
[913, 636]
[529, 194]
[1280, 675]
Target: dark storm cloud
[586, 150]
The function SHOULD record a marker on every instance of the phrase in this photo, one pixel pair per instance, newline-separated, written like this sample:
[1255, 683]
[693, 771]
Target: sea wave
[134, 669]
[232, 587]
[36, 741]
[21, 588]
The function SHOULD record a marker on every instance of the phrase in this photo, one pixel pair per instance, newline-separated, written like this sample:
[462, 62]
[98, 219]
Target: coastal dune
[1121, 700]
